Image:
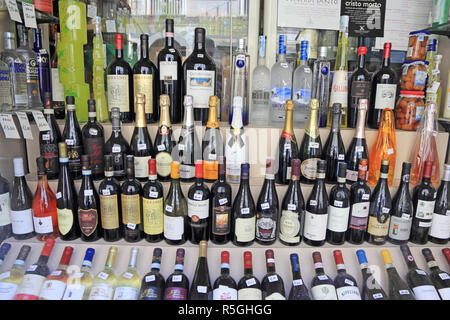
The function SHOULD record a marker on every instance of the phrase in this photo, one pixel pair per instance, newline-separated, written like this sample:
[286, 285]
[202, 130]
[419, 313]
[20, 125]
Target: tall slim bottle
[48, 140]
[73, 138]
[5, 210]
[261, 88]
[163, 141]
[201, 288]
[334, 149]
[43, 63]
[98, 71]
[212, 144]
[239, 78]
[359, 88]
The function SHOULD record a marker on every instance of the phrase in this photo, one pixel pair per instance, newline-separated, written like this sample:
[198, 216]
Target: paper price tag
[202, 289]
[265, 206]
[106, 192]
[58, 195]
[153, 194]
[177, 278]
[161, 147]
[250, 282]
[223, 201]
[181, 147]
[8, 126]
[29, 15]
[273, 278]
[150, 278]
[25, 125]
[103, 275]
[13, 10]
[198, 196]
[131, 226]
[127, 275]
[88, 193]
[40, 121]
[297, 282]
[91, 11]
[111, 26]
[292, 207]
[142, 146]
[349, 282]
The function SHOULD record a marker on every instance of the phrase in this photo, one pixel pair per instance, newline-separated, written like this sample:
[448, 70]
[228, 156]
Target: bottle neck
[312, 128]
[37, 41]
[362, 61]
[336, 123]
[387, 57]
[237, 123]
[43, 260]
[199, 45]
[212, 118]
[164, 119]
[140, 116]
[119, 54]
[188, 116]
[42, 181]
[288, 127]
[361, 124]
[144, 50]
[225, 269]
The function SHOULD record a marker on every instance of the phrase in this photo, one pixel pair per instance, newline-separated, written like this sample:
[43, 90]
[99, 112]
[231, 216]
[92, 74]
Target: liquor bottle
[359, 88]
[311, 147]
[153, 284]
[299, 291]
[287, 147]
[358, 146]
[417, 279]
[120, 84]
[371, 290]
[239, 81]
[73, 138]
[302, 87]
[79, 284]
[200, 77]
[4, 249]
[94, 141]
[163, 141]
[225, 287]
[384, 89]
[439, 278]
[201, 284]
[272, 285]
[316, 214]
[345, 284]
[43, 63]
[292, 210]
[5, 210]
[267, 208]
[98, 71]
[261, 88]
[440, 224]
[212, 144]
[176, 227]
[45, 216]
[11, 279]
[244, 212]
[359, 206]
[117, 146]
[236, 146]
[402, 210]
[424, 200]
[280, 83]
[177, 284]
[88, 206]
[398, 289]
[322, 286]
[384, 147]
[57, 90]
[141, 146]
[110, 204]
[249, 287]
[334, 150]
[128, 285]
[339, 209]
[380, 209]
[105, 281]
[21, 201]
[171, 74]
[221, 218]
[48, 140]
[339, 88]
[6, 99]
[145, 81]
[54, 286]
[153, 206]
[321, 85]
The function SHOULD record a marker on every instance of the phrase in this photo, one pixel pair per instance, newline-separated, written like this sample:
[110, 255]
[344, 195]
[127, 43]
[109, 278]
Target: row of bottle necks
[66, 282]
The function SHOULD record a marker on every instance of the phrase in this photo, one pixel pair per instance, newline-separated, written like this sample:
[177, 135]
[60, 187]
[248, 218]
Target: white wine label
[143, 84]
[198, 196]
[5, 206]
[272, 278]
[103, 275]
[275, 296]
[198, 209]
[324, 292]
[352, 175]
[315, 226]
[440, 226]
[245, 229]
[297, 283]
[444, 293]
[43, 225]
[385, 96]
[5, 275]
[427, 292]
[141, 166]
[177, 278]
[249, 294]
[53, 290]
[200, 85]
[424, 224]
[163, 161]
[289, 226]
[202, 289]
[361, 209]
[168, 70]
[31, 285]
[348, 293]
[22, 221]
[118, 93]
[250, 282]
[173, 227]
[101, 291]
[225, 293]
[126, 293]
[74, 292]
[400, 229]
[7, 290]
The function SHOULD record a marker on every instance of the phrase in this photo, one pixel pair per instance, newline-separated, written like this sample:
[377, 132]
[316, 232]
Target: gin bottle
[261, 88]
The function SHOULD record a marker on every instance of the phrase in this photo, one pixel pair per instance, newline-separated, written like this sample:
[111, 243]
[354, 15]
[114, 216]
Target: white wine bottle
[105, 281]
[79, 284]
[129, 282]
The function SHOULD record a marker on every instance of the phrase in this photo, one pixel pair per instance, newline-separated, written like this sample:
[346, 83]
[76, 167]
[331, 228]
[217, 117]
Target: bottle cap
[157, 252]
[40, 162]
[108, 163]
[175, 170]
[314, 104]
[294, 262]
[338, 259]
[245, 171]
[179, 258]
[342, 170]
[362, 50]
[66, 255]
[386, 256]
[295, 173]
[290, 105]
[323, 52]
[70, 100]
[89, 255]
[200, 35]
[247, 260]
[387, 50]
[139, 98]
[199, 169]
[427, 254]
[203, 248]
[428, 169]
[18, 167]
[225, 257]
[119, 41]
[4, 249]
[152, 167]
[48, 246]
[317, 257]
[270, 258]
[213, 101]
[384, 166]
[91, 106]
[361, 254]
[188, 100]
[130, 163]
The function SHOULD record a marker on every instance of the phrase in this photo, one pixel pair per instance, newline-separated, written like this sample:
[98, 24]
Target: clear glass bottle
[105, 281]
[98, 72]
[302, 87]
[240, 75]
[261, 88]
[5, 87]
[79, 283]
[321, 85]
[129, 282]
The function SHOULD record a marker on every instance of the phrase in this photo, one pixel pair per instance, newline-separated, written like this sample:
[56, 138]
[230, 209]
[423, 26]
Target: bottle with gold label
[212, 144]
[163, 141]
[153, 206]
[105, 281]
[131, 196]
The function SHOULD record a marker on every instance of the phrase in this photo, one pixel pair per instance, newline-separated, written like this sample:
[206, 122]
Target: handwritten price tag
[13, 10]
[40, 121]
[25, 125]
[91, 11]
[111, 26]
[9, 127]
[29, 15]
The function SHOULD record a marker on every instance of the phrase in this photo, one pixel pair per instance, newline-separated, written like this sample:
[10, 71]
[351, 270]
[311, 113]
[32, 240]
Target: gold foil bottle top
[213, 101]
[289, 105]
[386, 255]
[175, 170]
[212, 114]
[314, 104]
[164, 100]
[139, 98]
[203, 248]
[62, 150]
[112, 254]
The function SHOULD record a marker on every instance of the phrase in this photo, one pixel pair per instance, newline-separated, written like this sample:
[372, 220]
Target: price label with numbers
[111, 26]
[13, 10]
[29, 15]
[8, 126]
[25, 125]
[91, 11]
[40, 121]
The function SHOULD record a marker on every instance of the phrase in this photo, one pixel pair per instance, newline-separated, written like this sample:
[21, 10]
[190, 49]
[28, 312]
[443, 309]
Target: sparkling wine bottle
[105, 281]
[334, 150]
[212, 144]
[163, 141]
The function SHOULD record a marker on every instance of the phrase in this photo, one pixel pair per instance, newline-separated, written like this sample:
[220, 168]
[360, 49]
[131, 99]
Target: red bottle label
[221, 220]
[95, 151]
[88, 221]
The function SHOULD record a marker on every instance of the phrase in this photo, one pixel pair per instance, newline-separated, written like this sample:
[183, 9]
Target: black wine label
[265, 227]
[94, 148]
[221, 220]
[50, 153]
[361, 89]
[74, 154]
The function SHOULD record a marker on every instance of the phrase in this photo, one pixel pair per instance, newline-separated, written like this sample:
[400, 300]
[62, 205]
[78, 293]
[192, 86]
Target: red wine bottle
[372, 290]
[73, 138]
[440, 279]
[48, 140]
[177, 284]
[225, 287]
[201, 284]
[272, 285]
[322, 286]
[249, 287]
[299, 291]
[334, 150]
[345, 284]
[446, 253]
[440, 225]
[153, 206]
[5, 210]
[153, 284]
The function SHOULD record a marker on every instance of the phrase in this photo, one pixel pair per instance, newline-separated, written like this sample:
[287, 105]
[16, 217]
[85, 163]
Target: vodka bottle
[261, 88]
[302, 87]
[321, 85]
[241, 69]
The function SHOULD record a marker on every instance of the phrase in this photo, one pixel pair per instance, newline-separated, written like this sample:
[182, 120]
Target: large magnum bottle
[48, 140]
[73, 138]
[334, 150]
[163, 141]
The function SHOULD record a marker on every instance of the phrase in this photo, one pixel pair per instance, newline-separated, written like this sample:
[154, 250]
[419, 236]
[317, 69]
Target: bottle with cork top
[153, 206]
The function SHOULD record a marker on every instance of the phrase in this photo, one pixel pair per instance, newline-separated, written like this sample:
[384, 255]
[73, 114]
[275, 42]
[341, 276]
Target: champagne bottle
[73, 138]
[346, 287]
[11, 279]
[163, 141]
[440, 279]
[153, 284]
[322, 287]
[372, 290]
[153, 206]
[201, 284]
[299, 291]
[225, 287]
[177, 284]
[398, 289]
[440, 224]
[105, 281]
[129, 283]
[79, 283]
[272, 285]
[249, 287]
[212, 144]
[334, 150]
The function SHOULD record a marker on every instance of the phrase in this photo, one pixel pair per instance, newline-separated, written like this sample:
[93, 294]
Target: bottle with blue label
[43, 63]
[302, 87]
[240, 75]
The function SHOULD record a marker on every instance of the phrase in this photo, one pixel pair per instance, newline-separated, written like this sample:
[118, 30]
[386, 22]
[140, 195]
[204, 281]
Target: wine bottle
[43, 63]
[153, 206]
[152, 285]
[418, 279]
[88, 205]
[79, 284]
[398, 289]
[177, 284]
[359, 88]
[141, 146]
[129, 283]
[221, 218]
[176, 227]
[267, 208]
[424, 200]
[105, 281]
[402, 210]
[359, 206]
[94, 141]
[54, 286]
[372, 290]
[439, 278]
[120, 84]
[199, 209]
[48, 140]
[322, 286]
[440, 224]
[380, 209]
[4, 249]
[249, 287]
[311, 147]
[11, 279]
[110, 203]
[358, 146]
[316, 214]
[35, 275]
[163, 141]
[73, 138]
[5, 210]
[334, 150]
[201, 284]
[287, 147]
[225, 287]
[200, 76]
[345, 284]
[171, 74]
[446, 253]
[299, 291]
[244, 212]
[212, 144]
[272, 285]
[339, 208]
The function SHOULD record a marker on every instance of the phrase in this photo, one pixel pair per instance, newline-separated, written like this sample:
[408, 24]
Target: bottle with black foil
[73, 138]
[359, 88]
[334, 150]
[48, 140]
